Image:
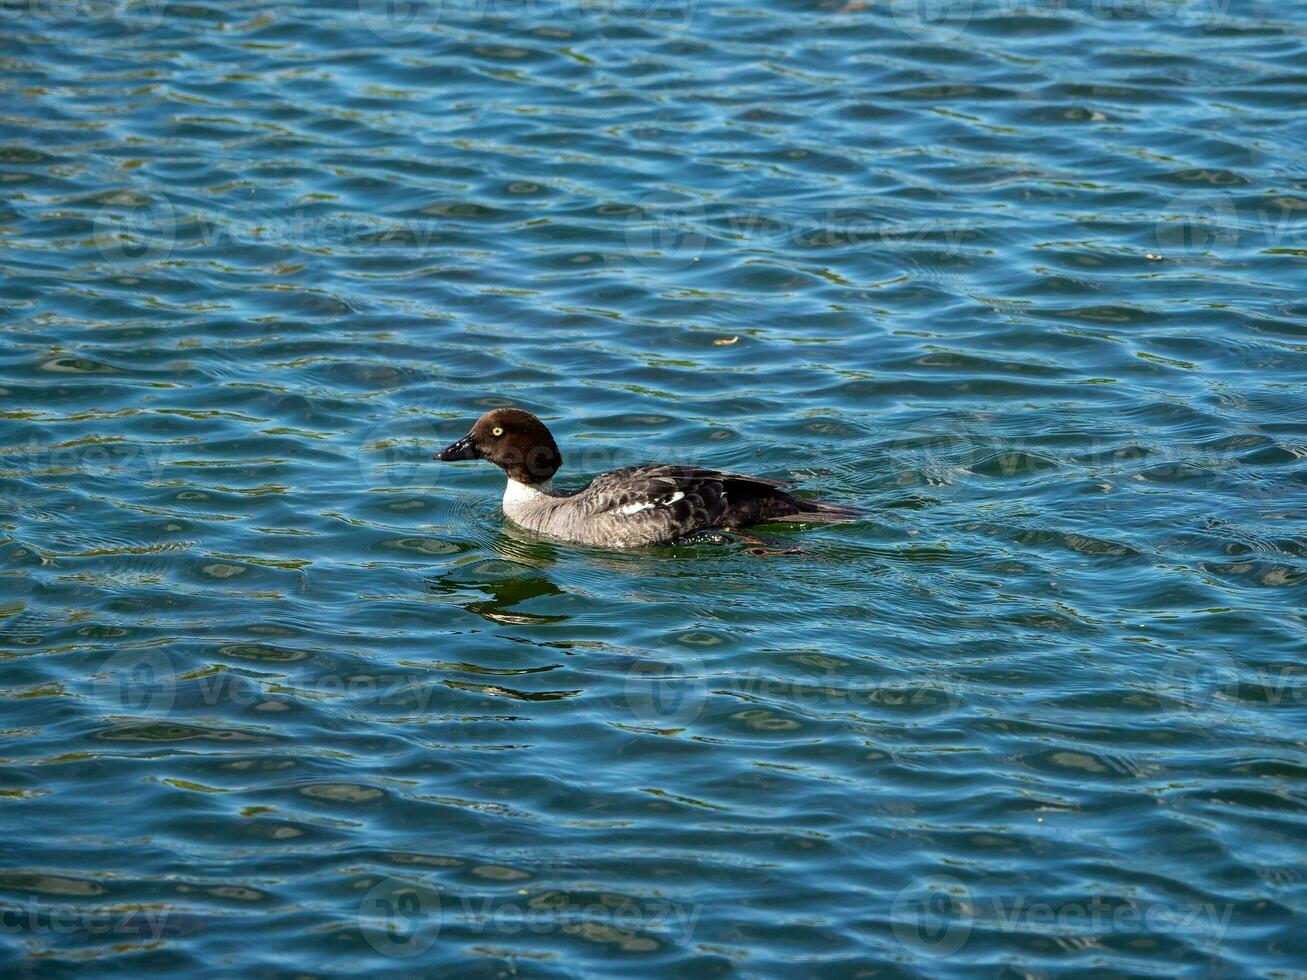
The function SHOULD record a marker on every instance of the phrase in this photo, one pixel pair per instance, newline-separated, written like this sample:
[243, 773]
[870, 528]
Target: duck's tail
[821, 512]
[757, 501]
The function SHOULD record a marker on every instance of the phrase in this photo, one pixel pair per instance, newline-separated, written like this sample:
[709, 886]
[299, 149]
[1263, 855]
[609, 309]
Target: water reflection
[505, 585]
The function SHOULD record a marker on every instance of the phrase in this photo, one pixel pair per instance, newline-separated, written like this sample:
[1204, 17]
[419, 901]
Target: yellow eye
[497, 431]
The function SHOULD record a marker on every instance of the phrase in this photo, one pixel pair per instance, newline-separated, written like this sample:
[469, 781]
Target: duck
[633, 507]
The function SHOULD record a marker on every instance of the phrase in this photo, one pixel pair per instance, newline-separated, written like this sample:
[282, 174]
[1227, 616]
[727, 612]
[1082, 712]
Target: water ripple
[1022, 280]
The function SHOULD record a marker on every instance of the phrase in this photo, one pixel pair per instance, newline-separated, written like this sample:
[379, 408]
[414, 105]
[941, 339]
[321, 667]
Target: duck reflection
[516, 544]
[503, 583]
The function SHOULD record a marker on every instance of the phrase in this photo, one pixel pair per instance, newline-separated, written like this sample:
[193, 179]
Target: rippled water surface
[282, 696]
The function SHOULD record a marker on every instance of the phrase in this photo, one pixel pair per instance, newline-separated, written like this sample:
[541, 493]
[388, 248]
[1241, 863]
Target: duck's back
[641, 505]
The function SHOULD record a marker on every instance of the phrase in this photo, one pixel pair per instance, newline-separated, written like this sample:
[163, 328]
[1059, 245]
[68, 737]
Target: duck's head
[515, 441]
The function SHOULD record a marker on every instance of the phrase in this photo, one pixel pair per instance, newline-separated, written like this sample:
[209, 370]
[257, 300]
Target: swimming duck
[630, 507]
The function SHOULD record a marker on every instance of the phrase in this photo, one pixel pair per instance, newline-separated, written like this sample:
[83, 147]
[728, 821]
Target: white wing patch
[629, 509]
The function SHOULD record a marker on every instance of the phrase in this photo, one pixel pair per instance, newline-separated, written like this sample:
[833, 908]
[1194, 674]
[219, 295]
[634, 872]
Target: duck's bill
[465, 448]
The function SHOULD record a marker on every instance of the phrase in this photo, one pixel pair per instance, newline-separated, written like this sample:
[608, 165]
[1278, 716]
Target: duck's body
[626, 508]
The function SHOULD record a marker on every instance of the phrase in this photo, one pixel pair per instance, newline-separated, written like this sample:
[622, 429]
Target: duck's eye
[497, 431]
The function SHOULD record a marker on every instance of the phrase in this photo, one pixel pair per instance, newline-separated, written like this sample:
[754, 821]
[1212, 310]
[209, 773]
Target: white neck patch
[516, 495]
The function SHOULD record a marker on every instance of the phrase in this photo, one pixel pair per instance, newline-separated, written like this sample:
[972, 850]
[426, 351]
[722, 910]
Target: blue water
[283, 697]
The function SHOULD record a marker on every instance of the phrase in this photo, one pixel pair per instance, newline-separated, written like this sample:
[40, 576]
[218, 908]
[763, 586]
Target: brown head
[515, 441]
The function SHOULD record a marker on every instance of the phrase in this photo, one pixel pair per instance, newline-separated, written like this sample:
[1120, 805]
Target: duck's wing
[656, 477]
[656, 499]
[682, 499]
